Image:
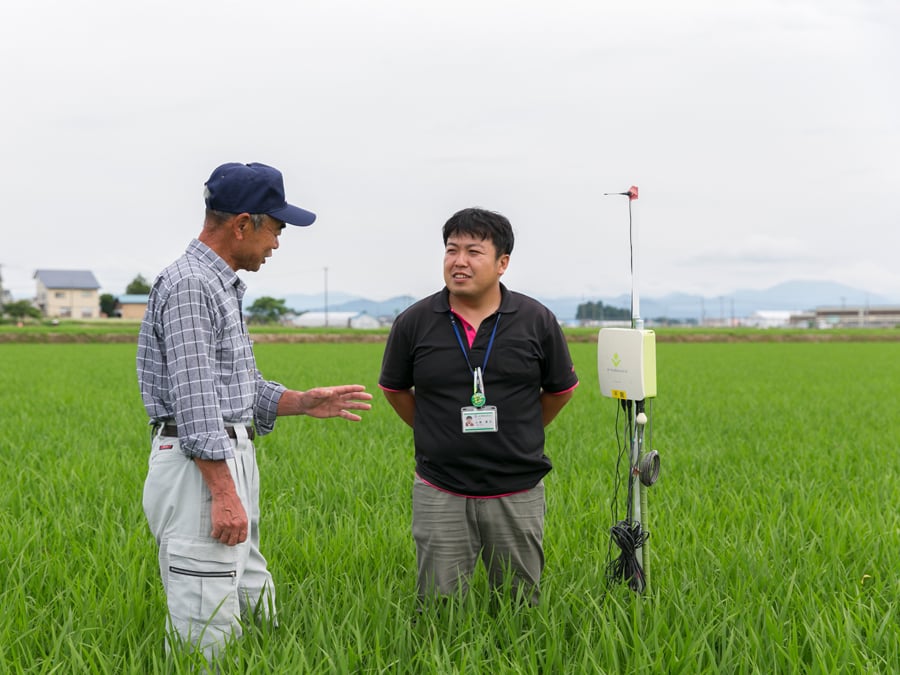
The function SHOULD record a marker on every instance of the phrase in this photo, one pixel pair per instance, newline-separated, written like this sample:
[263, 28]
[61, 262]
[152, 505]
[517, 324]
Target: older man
[207, 402]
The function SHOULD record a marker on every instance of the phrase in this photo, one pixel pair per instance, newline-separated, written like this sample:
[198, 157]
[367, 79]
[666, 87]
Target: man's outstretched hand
[325, 402]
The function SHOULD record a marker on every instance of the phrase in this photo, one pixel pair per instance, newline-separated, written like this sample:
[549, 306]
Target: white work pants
[209, 586]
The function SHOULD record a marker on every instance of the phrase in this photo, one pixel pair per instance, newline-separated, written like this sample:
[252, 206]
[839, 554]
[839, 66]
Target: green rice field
[774, 548]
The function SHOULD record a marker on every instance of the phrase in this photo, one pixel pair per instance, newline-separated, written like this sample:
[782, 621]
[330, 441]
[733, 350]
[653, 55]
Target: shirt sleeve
[189, 344]
[396, 364]
[557, 370]
[265, 411]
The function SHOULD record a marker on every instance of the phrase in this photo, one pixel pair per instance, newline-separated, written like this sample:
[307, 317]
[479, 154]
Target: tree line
[597, 311]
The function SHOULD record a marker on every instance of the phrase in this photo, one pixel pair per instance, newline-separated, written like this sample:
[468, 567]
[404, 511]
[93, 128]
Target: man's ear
[503, 264]
[240, 225]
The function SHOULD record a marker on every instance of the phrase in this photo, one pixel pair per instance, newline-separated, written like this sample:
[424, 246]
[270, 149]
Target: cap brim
[294, 215]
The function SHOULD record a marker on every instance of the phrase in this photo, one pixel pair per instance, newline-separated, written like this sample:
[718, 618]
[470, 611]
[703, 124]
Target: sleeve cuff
[267, 406]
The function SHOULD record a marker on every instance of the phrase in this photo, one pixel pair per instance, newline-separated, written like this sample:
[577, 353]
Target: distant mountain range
[790, 295]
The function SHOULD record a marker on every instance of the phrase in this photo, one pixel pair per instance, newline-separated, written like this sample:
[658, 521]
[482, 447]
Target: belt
[171, 429]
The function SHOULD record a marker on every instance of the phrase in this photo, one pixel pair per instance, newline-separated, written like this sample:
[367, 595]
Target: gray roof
[82, 279]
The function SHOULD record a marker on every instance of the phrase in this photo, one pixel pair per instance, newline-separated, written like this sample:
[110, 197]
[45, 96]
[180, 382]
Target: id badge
[479, 420]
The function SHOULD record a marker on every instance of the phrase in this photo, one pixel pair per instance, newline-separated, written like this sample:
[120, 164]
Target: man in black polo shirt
[478, 371]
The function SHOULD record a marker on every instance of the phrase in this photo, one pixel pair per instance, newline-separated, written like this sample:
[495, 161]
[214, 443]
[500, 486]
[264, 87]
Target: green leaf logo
[616, 360]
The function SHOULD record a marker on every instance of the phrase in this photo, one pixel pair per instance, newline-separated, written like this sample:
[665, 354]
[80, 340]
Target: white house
[359, 320]
[69, 294]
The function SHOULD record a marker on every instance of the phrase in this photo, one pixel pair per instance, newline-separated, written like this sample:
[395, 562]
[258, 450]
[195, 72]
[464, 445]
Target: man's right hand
[229, 519]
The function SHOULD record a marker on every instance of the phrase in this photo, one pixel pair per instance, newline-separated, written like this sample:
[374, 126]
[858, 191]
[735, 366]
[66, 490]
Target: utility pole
[326, 297]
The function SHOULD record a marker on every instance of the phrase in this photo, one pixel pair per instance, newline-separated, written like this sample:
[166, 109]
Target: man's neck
[476, 310]
[219, 246]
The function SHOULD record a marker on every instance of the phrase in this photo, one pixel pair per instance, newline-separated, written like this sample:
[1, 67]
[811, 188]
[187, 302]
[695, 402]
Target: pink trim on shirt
[469, 328]
[564, 391]
[456, 494]
[389, 389]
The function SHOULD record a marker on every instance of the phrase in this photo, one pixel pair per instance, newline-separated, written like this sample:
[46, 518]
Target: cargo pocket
[201, 587]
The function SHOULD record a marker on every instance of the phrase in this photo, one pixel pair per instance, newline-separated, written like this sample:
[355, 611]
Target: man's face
[471, 266]
[258, 245]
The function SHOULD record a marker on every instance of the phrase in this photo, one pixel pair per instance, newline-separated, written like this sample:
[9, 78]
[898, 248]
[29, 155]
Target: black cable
[617, 479]
[629, 537]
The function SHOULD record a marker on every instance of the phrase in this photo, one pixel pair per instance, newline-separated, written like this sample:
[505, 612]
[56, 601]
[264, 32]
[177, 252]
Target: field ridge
[89, 334]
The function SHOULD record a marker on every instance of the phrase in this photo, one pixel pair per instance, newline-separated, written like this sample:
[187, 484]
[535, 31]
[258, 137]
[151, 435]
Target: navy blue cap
[253, 188]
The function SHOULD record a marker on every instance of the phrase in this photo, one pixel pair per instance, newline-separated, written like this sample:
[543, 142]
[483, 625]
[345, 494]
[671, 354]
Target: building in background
[359, 320]
[769, 318]
[132, 306]
[874, 316]
[67, 294]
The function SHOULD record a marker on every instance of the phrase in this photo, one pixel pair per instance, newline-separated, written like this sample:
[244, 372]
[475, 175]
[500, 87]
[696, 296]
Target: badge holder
[478, 418]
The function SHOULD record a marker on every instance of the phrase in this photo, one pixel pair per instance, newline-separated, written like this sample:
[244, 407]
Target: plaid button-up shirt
[195, 362]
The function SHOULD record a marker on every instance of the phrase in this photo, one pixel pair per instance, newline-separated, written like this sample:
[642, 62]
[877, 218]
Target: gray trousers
[209, 585]
[451, 533]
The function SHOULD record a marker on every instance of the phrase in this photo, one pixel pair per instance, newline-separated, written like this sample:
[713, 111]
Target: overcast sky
[764, 136]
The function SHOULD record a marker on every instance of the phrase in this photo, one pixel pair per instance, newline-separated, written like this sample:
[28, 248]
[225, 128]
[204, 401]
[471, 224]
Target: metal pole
[636, 320]
[637, 501]
[639, 495]
[644, 556]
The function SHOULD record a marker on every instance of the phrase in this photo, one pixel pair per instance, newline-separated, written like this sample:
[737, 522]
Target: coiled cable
[629, 538]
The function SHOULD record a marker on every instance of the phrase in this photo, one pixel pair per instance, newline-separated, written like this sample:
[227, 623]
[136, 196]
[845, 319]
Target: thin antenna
[636, 320]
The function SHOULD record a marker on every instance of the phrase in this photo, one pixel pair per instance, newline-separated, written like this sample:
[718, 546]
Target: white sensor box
[626, 363]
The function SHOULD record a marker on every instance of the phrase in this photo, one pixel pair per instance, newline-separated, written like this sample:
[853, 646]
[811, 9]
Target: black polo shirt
[529, 354]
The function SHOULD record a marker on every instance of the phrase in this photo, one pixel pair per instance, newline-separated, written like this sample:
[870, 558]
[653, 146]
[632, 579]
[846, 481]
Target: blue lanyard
[462, 347]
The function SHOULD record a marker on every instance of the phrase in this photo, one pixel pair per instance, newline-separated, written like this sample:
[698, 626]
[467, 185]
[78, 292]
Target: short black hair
[484, 224]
